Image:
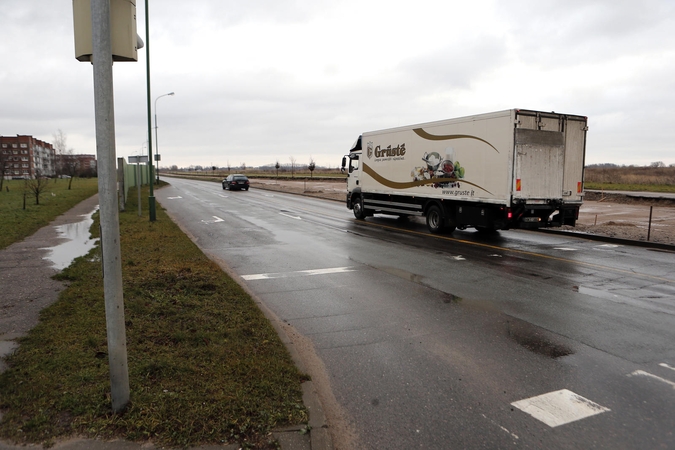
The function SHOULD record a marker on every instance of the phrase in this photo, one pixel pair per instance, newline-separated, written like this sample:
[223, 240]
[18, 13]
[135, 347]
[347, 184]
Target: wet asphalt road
[447, 342]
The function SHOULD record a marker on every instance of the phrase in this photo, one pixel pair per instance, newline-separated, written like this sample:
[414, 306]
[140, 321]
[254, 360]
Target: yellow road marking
[522, 252]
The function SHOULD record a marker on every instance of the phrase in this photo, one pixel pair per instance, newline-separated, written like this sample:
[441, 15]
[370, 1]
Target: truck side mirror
[344, 163]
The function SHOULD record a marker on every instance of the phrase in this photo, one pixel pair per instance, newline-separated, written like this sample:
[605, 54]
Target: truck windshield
[357, 145]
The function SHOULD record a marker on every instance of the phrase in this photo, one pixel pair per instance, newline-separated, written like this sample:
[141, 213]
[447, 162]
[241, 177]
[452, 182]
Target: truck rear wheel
[359, 212]
[435, 219]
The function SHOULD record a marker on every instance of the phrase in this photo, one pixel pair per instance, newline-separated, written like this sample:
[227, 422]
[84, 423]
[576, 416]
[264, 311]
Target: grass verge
[18, 223]
[205, 365]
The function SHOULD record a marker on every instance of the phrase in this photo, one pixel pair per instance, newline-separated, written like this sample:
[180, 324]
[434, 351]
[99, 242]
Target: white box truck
[508, 169]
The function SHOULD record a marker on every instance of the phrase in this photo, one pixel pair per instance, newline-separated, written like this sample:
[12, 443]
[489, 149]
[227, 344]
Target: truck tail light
[518, 186]
[579, 187]
[509, 213]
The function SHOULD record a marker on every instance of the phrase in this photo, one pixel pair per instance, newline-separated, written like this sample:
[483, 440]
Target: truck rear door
[539, 160]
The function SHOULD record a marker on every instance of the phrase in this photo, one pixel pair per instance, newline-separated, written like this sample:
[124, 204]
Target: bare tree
[4, 166]
[657, 164]
[67, 164]
[292, 166]
[36, 185]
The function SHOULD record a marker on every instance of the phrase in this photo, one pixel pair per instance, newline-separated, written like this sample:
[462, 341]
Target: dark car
[235, 182]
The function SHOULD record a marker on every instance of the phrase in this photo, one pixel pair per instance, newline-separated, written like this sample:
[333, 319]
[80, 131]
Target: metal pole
[109, 215]
[649, 228]
[156, 138]
[151, 198]
[156, 142]
[138, 186]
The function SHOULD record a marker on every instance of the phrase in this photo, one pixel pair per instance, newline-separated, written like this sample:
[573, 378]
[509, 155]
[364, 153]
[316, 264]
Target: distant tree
[243, 167]
[292, 166]
[276, 166]
[311, 167]
[66, 163]
[657, 164]
[36, 185]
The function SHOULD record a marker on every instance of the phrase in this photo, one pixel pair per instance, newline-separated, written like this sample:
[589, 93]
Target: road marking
[649, 375]
[299, 273]
[218, 219]
[459, 258]
[173, 198]
[609, 245]
[495, 256]
[632, 273]
[666, 366]
[565, 249]
[515, 436]
[223, 196]
[559, 407]
[292, 217]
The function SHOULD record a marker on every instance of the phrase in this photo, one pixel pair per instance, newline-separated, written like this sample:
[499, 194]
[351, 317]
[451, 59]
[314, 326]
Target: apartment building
[26, 157]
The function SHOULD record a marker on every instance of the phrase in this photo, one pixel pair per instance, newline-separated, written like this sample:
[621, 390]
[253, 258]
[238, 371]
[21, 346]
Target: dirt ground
[611, 215]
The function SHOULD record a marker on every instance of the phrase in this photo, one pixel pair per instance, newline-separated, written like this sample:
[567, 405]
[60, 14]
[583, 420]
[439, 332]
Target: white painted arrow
[459, 258]
[218, 219]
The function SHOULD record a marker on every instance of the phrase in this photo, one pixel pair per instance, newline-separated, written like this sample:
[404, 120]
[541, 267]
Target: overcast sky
[261, 81]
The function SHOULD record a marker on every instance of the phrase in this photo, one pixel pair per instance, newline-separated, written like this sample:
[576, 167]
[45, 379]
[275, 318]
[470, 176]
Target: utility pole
[151, 199]
[107, 188]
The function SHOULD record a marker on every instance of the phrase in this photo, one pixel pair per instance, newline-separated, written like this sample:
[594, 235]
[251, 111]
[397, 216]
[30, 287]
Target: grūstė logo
[369, 149]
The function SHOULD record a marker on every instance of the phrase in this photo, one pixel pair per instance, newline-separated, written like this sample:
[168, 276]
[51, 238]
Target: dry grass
[664, 176]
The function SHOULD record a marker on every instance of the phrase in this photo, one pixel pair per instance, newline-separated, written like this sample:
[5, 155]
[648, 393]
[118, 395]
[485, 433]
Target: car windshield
[240, 178]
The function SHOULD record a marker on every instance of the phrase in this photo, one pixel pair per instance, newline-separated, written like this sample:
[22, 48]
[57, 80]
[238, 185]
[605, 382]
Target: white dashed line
[642, 373]
[667, 366]
[566, 249]
[292, 217]
[559, 407]
[300, 273]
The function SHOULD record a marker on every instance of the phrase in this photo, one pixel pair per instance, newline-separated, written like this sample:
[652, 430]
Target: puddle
[536, 340]
[79, 242]
[6, 349]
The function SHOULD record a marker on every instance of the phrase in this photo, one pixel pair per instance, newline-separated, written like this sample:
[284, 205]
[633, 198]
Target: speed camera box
[122, 30]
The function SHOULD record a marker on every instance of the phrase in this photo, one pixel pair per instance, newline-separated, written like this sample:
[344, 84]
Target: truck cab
[351, 163]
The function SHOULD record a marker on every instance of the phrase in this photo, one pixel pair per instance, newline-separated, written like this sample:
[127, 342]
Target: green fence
[128, 176]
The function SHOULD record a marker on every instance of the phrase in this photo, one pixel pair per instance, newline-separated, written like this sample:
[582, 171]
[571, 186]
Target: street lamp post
[156, 140]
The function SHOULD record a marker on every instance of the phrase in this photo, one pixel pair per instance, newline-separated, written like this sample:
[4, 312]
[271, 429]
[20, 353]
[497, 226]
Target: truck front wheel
[435, 219]
[359, 212]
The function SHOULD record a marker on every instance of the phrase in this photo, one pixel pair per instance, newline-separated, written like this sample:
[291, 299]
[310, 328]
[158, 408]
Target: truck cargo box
[508, 169]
